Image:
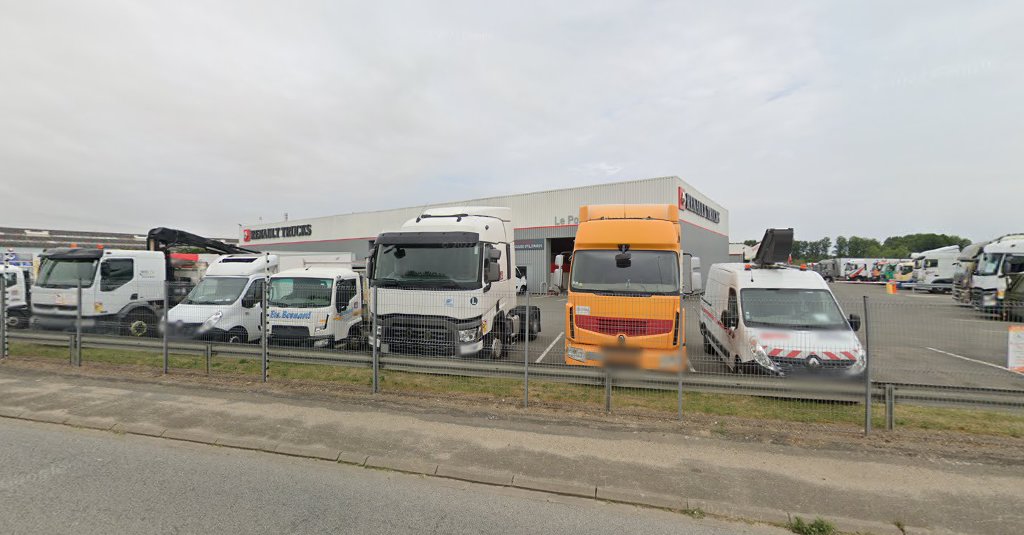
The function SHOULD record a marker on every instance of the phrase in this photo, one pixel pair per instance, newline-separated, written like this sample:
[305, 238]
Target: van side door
[346, 307]
[252, 308]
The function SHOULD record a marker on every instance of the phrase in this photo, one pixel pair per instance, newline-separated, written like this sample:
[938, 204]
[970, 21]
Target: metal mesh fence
[796, 356]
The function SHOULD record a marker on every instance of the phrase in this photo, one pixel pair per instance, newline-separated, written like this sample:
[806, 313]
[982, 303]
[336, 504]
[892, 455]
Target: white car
[779, 321]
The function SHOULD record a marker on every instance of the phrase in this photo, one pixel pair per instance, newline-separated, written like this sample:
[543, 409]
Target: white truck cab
[16, 285]
[227, 304]
[446, 284]
[934, 270]
[1000, 259]
[778, 320]
[122, 290]
[319, 305]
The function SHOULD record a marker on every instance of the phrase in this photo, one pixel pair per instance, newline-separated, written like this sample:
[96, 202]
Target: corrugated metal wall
[537, 216]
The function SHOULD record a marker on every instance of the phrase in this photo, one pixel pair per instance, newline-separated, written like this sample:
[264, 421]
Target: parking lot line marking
[552, 344]
[996, 366]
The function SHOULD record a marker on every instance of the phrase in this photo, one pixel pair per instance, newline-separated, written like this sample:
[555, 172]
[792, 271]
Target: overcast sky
[834, 118]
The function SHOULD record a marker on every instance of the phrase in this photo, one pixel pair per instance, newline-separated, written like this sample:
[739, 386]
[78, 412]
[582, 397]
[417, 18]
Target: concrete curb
[473, 475]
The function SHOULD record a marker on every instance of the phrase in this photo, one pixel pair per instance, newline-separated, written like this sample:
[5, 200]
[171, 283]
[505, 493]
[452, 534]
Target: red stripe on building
[793, 354]
[849, 355]
[775, 352]
[831, 356]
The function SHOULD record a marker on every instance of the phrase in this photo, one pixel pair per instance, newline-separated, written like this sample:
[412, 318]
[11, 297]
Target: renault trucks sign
[273, 233]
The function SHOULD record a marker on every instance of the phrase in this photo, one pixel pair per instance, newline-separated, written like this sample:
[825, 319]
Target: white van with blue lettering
[318, 305]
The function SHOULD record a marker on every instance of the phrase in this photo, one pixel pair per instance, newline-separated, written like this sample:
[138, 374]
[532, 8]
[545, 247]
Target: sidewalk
[860, 491]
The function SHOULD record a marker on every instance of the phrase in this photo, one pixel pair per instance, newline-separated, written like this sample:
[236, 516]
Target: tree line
[860, 247]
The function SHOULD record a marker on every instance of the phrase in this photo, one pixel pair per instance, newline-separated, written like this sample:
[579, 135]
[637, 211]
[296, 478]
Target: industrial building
[545, 224]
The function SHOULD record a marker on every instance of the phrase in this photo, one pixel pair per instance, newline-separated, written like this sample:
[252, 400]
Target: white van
[779, 321]
[226, 305]
[16, 283]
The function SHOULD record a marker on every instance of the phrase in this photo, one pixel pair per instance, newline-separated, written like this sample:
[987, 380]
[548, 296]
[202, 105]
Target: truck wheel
[139, 324]
[534, 327]
[17, 319]
[494, 346]
[737, 367]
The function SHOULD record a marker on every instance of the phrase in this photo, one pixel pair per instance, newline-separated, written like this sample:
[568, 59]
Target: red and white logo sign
[246, 235]
[682, 198]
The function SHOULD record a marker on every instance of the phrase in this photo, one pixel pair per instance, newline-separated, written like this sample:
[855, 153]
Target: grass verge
[556, 394]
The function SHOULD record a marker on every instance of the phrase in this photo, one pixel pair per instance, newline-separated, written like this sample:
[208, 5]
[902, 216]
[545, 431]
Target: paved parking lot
[914, 338]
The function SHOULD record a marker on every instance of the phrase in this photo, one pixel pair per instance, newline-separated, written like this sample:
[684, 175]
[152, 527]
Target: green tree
[842, 248]
[859, 247]
[750, 243]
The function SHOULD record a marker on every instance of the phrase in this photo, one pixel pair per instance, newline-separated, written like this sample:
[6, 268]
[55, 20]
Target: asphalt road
[56, 479]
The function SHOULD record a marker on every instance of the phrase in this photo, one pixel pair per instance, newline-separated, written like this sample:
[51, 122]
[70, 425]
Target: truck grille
[626, 326]
[423, 335]
[289, 331]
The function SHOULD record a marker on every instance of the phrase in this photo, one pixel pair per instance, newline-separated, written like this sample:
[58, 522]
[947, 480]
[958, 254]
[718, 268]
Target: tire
[534, 327]
[17, 319]
[237, 335]
[494, 346]
[709, 348]
[737, 365]
[139, 324]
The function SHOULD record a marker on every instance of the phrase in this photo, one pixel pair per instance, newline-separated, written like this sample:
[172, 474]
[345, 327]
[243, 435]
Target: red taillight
[626, 326]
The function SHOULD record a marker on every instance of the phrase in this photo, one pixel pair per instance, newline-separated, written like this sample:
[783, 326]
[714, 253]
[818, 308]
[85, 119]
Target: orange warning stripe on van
[795, 354]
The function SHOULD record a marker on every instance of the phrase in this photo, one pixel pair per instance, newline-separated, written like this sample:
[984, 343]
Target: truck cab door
[346, 307]
[118, 287]
[252, 308]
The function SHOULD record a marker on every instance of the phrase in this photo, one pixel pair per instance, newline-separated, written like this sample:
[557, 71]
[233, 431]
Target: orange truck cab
[624, 289]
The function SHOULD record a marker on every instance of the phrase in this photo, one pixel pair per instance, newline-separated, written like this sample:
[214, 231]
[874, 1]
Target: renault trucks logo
[272, 233]
[690, 203]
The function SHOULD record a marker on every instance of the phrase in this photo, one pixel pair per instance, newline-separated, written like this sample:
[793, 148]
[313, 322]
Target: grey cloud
[128, 115]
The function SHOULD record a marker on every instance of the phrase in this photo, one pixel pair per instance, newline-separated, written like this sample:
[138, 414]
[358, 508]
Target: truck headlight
[1000, 294]
[213, 319]
[322, 324]
[469, 335]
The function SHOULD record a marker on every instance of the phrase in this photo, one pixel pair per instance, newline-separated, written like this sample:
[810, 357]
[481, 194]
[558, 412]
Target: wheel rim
[138, 328]
[496, 347]
[13, 321]
[234, 339]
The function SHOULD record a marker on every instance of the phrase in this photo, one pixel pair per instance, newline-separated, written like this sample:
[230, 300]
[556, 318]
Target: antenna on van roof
[776, 246]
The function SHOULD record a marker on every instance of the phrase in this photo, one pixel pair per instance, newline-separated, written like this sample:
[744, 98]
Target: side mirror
[494, 254]
[696, 279]
[249, 302]
[492, 273]
[559, 260]
[855, 322]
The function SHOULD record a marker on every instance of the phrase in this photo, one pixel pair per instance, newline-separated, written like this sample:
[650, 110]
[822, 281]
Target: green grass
[819, 526]
[556, 394]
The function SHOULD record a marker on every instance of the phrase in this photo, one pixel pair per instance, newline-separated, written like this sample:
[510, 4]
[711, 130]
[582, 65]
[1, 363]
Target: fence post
[526, 350]
[167, 307]
[375, 386]
[890, 407]
[264, 339]
[3, 312]
[867, 368]
[607, 390]
[78, 324]
[72, 342]
[209, 356]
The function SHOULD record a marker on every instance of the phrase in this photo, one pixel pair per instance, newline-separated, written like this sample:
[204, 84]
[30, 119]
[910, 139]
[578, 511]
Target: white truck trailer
[446, 285]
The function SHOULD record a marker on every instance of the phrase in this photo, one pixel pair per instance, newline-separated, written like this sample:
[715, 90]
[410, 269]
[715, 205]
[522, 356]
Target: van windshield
[790, 309]
[454, 265]
[216, 291]
[66, 273]
[989, 264]
[648, 272]
[300, 292]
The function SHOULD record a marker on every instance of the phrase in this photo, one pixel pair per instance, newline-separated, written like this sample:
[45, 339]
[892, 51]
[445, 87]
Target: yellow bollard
[890, 288]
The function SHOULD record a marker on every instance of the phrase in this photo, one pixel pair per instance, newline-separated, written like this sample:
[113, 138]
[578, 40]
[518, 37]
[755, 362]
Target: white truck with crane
[122, 290]
[16, 284]
[445, 285]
